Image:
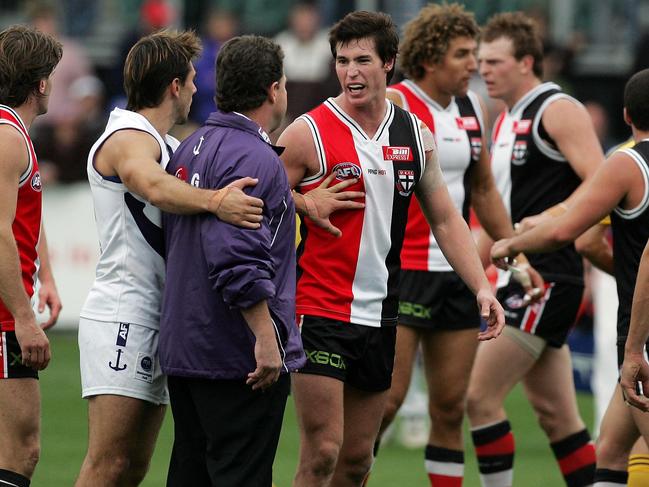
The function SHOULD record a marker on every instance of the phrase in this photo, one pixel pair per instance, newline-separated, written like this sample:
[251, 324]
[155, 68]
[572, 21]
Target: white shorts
[120, 359]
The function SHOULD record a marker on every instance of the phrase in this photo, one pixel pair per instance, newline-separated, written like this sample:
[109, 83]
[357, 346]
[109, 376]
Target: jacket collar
[241, 122]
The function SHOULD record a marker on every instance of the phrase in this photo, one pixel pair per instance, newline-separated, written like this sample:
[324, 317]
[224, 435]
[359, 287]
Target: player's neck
[523, 88]
[429, 87]
[368, 115]
[161, 117]
[262, 116]
[639, 135]
[27, 113]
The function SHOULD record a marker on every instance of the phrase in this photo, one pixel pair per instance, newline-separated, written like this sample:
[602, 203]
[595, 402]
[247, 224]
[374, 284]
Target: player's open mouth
[355, 88]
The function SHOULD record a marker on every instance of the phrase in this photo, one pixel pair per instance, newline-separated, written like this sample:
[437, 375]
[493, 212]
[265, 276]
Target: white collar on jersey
[350, 122]
[412, 86]
[531, 95]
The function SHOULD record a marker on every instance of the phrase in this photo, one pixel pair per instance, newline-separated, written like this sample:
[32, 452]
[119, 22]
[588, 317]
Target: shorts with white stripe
[11, 366]
[551, 318]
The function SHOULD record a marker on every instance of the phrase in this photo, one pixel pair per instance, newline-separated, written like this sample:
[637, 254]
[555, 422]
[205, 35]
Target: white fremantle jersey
[458, 134]
[130, 272]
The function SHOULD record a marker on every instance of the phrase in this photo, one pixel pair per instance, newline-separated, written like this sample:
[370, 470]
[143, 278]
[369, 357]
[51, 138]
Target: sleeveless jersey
[130, 272]
[458, 136]
[532, 175]
[26, 226]
[630, 235]
[355, 278]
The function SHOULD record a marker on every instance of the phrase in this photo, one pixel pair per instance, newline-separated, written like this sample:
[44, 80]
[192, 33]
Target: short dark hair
[428, 36]
[27, 56]
[522, 31]
[374, 25]
[154, 62]
[636, 99]
[245, 68]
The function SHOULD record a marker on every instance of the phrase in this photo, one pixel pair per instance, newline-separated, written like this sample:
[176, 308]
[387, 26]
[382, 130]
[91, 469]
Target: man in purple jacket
[228, 337]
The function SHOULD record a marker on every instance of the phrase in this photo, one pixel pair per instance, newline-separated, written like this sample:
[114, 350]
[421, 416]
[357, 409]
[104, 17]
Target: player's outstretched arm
[455, 239]
[300, 160]
[603, 192]
[48, 295]
[132, 155]
[635, 369]
[34, 345]
[571, 128]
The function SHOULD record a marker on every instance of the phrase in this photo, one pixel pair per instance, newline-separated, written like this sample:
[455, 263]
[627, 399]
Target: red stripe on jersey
[497, 125]
[580, 458]
[414, 254]
[328, 264]
[502, 446]
[26, 226]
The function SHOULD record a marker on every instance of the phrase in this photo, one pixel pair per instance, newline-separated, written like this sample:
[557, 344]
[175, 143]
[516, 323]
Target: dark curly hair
[428, 36]
[154, 62]
[522, 31]
[245, 68]
[636, 99]
[27, 56]
[373, 25]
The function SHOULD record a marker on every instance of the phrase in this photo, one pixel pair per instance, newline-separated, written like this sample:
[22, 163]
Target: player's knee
[447, 414]
[116, 469]
[392, 406]
[323, 459]
[477, 403]
[356, 465]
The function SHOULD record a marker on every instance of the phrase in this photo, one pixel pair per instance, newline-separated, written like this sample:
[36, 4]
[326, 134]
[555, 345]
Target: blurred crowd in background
[591, 48]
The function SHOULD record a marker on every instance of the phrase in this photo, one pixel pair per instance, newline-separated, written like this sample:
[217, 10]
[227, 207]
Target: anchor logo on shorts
[117, 367]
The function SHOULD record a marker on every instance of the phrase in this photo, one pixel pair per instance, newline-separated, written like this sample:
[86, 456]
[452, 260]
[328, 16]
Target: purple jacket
[214, 269]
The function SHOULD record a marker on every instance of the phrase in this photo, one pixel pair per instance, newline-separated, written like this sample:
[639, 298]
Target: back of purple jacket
[214, 269]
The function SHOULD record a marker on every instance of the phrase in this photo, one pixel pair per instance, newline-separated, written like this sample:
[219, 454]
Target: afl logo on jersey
[405, 181]
[36, 182]
[519, 153]
[346, 170]
[181, 173]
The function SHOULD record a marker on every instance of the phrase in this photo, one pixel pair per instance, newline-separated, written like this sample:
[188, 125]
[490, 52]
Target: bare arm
[132, 155]
[635, 368]
[48, 295]
[606, 189]
[571, 128]
[269, 362]
[454, 238]
[34, 345]
[300, 160]
[593, 245]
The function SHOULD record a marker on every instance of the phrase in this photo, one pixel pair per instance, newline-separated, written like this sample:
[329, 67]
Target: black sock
[12, 479]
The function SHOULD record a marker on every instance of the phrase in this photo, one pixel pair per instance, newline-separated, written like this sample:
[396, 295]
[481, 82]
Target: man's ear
[389, 65]
[273, 91]
[42, 86]
[627, 119]
[174, 87]
[527, 63]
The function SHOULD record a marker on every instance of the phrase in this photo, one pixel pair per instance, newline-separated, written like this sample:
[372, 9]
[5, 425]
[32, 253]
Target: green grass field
[65, 437]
